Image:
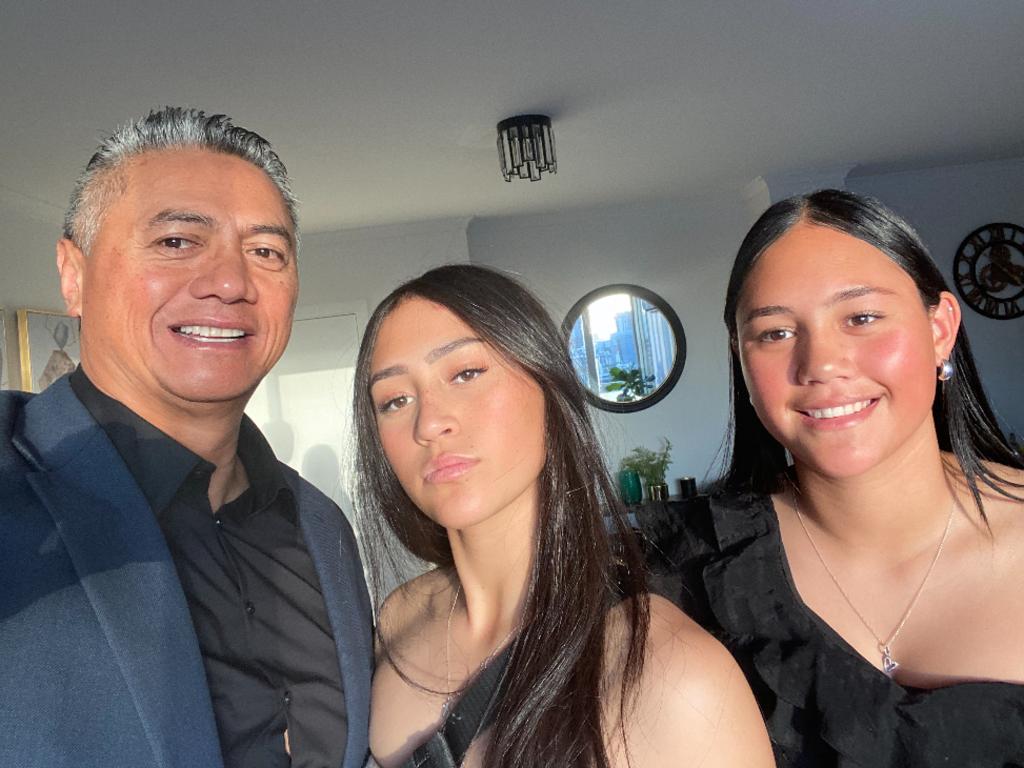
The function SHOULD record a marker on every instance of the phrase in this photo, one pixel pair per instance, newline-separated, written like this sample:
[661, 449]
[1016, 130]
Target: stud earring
[945, 370]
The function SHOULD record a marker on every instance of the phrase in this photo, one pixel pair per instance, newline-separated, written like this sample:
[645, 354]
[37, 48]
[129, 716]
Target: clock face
[989, 271]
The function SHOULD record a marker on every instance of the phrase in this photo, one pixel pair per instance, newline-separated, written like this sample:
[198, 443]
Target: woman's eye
[775, 334]
[468, 374]
[864, 318]
[394, 404]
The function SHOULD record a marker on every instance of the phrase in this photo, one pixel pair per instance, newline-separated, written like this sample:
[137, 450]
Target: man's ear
[945, 318]
[71, 266]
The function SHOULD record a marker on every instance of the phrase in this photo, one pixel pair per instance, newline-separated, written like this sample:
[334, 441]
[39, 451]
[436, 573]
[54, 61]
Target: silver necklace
[889, 664]
[450, 694]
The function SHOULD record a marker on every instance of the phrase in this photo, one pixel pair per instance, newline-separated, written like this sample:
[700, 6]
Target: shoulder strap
[473, 714]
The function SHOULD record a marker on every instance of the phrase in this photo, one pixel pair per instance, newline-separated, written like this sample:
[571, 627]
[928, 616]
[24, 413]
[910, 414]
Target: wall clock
[989, 270]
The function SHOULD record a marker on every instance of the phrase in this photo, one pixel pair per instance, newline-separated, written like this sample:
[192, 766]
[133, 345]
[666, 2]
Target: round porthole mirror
[627, 346]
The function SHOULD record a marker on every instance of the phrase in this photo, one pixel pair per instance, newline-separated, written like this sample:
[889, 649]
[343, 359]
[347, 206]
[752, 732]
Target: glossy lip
[447, 467]
[838, 422]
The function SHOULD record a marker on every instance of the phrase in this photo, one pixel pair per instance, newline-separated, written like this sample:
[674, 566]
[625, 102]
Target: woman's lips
[839, 415]
[447, 467]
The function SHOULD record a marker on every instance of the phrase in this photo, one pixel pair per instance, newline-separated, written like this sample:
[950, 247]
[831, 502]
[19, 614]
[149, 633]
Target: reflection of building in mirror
[622, 347]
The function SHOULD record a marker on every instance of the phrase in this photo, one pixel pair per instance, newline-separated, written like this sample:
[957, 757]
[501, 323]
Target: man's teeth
[209, 333]
[839, 410]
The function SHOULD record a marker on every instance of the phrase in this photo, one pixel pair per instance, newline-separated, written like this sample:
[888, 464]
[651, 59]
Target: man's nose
[224, 274]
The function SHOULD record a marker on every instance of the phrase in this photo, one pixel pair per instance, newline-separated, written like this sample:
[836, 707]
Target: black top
[824, 704]
[252, 591]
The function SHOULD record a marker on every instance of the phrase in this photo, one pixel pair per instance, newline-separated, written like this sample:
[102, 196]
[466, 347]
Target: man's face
[188, 294]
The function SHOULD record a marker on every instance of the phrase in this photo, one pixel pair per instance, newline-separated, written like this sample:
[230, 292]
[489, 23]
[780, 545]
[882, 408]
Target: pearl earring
[945, 370]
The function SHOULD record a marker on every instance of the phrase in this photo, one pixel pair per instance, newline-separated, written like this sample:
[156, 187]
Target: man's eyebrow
[171, 215]
[184, 217]
[431, 357]
[273, 229]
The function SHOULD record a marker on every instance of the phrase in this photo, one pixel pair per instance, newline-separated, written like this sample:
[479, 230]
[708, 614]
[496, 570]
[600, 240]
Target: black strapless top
[824, 704]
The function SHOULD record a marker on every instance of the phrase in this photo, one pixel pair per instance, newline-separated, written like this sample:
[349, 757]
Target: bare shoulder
[693, 699]
[413, 606]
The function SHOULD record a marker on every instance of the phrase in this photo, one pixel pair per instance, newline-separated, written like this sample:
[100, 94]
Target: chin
[841, 466]
[214, 389]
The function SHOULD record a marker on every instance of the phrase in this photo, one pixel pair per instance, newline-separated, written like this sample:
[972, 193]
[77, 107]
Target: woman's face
[839, 353]
[462, 428]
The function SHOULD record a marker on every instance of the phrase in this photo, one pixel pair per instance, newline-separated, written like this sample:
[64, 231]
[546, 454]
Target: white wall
[682, 250]
[28, 272]
[365, 264]
[945, 205]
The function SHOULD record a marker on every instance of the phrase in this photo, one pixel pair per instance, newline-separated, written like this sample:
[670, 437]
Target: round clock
[989, 270]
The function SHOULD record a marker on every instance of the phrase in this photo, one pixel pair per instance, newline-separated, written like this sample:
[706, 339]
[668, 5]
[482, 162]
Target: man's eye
[268, 253]
[175, 243]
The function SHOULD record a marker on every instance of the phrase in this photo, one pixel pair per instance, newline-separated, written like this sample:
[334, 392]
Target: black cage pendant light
[526, 147]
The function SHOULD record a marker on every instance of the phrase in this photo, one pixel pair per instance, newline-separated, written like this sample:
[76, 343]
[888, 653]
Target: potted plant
[630, 384]
[651, 466]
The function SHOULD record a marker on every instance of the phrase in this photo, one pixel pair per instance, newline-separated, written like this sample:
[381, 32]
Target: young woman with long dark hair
[477, 455]
[865, 561]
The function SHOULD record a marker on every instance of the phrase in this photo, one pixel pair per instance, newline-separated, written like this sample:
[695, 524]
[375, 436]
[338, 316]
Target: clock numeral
[996, 233]
[973, 295]
[974, 246]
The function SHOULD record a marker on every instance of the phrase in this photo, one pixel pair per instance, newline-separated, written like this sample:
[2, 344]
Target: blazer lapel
[126, 570]
[337, 563]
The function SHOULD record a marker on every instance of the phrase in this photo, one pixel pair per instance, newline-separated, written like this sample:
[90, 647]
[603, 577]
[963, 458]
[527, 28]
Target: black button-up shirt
[253, 593]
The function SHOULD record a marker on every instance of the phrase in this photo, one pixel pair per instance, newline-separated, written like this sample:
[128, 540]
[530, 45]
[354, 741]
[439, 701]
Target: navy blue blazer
[99, 664]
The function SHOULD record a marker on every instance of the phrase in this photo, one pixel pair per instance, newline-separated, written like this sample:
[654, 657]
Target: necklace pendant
[889, 665]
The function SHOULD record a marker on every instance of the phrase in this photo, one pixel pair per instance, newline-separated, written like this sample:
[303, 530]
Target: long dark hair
[964, 421]
[550, 713]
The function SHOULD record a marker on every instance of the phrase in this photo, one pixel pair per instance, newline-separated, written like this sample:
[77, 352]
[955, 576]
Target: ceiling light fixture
[526, 147]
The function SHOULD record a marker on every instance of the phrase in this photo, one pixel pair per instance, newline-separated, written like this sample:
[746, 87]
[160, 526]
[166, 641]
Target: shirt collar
[161, 465]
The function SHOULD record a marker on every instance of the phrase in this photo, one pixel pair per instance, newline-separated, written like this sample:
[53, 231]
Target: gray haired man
[172, 594]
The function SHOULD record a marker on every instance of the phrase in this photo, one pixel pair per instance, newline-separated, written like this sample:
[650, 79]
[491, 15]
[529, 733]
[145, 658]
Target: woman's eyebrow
[846, 294]
[446, 349]
[856, 292]
[767, 311]
[431, 357]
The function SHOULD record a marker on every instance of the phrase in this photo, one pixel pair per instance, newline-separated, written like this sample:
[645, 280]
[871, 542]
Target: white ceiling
[385, 111]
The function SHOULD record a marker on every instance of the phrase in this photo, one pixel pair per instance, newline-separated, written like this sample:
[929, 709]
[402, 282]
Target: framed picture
[48, 347]
[5, 367]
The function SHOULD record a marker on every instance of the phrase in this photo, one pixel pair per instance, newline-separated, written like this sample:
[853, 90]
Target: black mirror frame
[677, 331]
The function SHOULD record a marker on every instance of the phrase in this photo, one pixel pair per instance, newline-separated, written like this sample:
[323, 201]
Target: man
[170, 594]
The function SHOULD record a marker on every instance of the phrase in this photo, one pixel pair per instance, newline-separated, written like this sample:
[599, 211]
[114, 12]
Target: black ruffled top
[824, 704]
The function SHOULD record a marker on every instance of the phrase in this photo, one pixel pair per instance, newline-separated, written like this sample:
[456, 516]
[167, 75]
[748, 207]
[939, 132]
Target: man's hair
[168, 128]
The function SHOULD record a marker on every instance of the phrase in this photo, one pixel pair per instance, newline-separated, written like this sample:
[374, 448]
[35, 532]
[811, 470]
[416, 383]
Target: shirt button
[218, 521]
[249, 607]
[287, 698]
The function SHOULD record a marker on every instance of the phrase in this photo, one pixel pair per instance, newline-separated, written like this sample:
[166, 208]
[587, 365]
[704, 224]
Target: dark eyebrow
[446, 349]
[857, 292]
[185, 217]
[771, 309]
[208, 222]
[431, 357]
[273, 229]
[845, 295]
